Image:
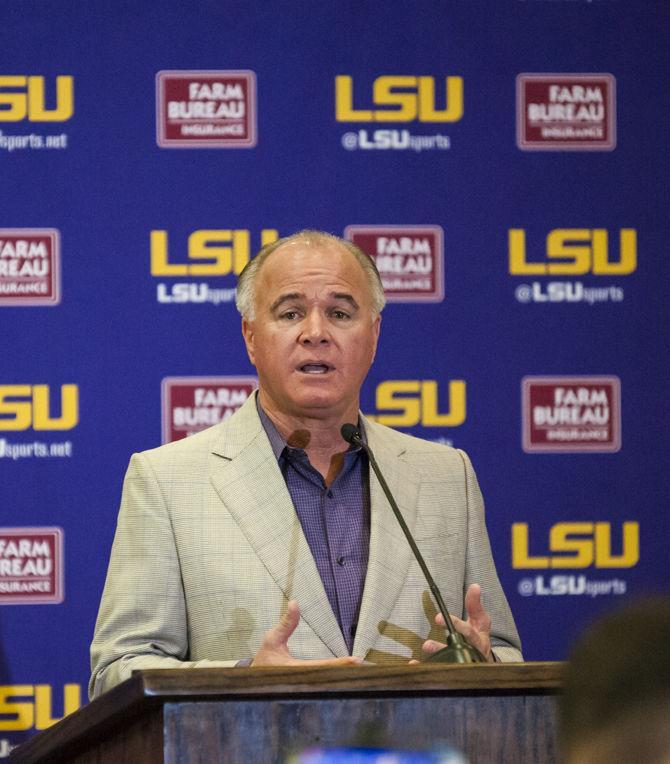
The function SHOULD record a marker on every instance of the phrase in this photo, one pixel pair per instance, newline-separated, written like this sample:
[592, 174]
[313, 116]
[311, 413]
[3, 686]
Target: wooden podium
[492, 712]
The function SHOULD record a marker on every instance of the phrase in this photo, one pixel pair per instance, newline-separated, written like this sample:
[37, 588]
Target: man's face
[313, 337]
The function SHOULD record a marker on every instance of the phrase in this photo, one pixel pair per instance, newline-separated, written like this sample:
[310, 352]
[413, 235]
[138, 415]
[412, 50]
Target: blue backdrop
[514, 150]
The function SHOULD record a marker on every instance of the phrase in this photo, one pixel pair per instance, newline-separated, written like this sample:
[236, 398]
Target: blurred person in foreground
[616, 701]
[265, 540]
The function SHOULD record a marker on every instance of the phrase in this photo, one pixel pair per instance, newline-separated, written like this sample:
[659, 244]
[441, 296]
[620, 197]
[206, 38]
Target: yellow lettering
[230, 256]
[558, 247]
[456, 415]
[268, 235]
[64, 100]
[241, 250]
[602, 266]
[17, 102]
[582, 549]
[630, 547]
[389, 398]
[22, 713]
[44, 708]
[226, 259]
[384, 94]
[593, 548]
[344, 110]
[454, 108]
[592, 256]
[69, 417]
[199, 247]
[15, 415]
[408, 98]
[517, 255]
[520, 556]
[159, 257]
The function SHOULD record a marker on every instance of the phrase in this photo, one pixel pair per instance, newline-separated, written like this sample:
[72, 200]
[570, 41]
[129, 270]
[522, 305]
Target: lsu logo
[26, 706]
[410, 259]
[191, 404]
[578, 545]
[411, 402]
[401, 99]
[30, 406]
[24, 97]
[574, 252]
[209, 252]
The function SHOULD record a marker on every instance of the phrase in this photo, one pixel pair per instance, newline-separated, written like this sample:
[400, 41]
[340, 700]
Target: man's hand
[274, 649]
[477, 628]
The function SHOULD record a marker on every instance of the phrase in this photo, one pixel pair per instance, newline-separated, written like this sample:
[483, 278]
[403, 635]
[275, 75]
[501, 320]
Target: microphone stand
[458, 649]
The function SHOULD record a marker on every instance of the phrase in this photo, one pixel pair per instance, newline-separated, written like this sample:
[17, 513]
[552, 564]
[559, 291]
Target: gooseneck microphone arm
[458, 650]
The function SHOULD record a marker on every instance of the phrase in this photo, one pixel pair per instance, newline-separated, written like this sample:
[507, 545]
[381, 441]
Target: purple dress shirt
[335, 521]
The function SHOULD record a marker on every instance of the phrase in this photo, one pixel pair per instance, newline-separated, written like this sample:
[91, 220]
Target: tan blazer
[209, 549]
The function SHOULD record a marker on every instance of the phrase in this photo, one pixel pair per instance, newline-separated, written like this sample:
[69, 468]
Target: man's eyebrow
[346, 297]
[286, 298]
[289, 296]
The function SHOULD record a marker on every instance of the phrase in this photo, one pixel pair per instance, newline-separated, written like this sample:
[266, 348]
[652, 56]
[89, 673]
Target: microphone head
[350, 433]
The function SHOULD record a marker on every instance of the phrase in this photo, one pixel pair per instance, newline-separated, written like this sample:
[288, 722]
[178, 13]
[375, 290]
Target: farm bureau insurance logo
[566, 112]
[29, 266]
[31, 566]
[215, 253]
[576, 546]
[29, 100]
[410, 259]
[398, 99]
[191, 404]
[571, 252]
[206, 109]
[571, 414]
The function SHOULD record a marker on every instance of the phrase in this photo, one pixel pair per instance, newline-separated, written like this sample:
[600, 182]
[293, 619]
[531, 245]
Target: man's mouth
[315, 368]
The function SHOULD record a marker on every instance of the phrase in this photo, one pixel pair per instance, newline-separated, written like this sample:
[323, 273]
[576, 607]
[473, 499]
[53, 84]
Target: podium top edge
[347, 680]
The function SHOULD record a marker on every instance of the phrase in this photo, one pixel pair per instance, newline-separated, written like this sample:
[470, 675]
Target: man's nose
[314, 328]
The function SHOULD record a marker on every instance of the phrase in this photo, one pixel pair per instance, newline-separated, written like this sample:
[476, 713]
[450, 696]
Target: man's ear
[249, 336]
[377, 321]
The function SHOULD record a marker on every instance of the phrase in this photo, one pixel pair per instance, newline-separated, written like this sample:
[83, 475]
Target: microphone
[458, 649]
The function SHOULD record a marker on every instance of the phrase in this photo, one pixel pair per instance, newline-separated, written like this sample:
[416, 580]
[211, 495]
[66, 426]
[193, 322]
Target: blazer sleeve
[142, 620]
[480, 569]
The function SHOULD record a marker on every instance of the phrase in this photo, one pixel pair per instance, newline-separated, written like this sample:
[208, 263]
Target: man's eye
[289, 315]
[340, 315]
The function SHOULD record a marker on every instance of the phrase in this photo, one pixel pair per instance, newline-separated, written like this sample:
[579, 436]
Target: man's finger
[477, 614]
[465, 629]
[431, 646]
[469, 627]
[473, 600]
[280, 634]
[476, 629]
[440, 621]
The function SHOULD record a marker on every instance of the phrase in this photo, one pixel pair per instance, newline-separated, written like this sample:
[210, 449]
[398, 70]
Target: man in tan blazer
[211, 564]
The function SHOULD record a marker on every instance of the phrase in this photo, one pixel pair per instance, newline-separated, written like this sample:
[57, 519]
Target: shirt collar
[277, 442]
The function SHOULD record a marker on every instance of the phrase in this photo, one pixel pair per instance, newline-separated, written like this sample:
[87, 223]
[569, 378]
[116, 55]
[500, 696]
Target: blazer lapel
[250, 484]
[390, 554]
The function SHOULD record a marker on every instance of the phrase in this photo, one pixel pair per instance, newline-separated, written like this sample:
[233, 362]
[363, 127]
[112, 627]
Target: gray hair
[246, 291]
